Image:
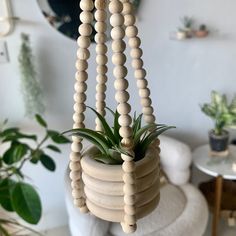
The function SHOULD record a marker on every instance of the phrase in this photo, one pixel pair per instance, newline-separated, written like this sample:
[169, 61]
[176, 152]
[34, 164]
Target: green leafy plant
[108, 141]
[16, 195]
[203, 27]
[222, 113]
[187, 22]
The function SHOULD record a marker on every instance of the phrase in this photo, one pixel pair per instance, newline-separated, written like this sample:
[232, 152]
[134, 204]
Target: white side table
[219, 167]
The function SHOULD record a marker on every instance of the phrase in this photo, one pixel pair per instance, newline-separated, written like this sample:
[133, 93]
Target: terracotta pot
[104, 186]
[201, 33]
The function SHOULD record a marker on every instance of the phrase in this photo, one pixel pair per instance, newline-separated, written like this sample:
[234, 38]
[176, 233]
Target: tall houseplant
[223, 114]
[17, 195]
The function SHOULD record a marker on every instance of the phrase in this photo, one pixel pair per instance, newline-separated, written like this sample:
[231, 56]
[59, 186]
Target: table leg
[217, 206]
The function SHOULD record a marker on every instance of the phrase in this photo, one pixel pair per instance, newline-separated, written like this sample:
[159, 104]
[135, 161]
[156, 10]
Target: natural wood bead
[101, 88]
[128, 229]
[129, 189]
[100, 96]
[129, 199]
[150, 119]
[75, 156]
[101, 49]
[116, 20]
[144, 93]
[100, 105]
[83, 53]
[123, 108]
[86, 5]
[122, 96]
[102, 69]
[118, 46]
[76, 139]
[134, 42]
[129, 20]
[128, 166]
[81, 76]
[101, 78]
[121, 84]
[81, 65]
[76, 147]
[85, 29]
[130, 210]
[100, 38]
[100, 4]
[125, 120]
[100, 15]
[147, 110]
[80, 87]
[127, 8]
[86, 17]
[100, 27]
[115, 6]
[127, 143]
[137, 63]
[125, 132]
[78, 125]
[77, 193]
[80, 98]
[118, 58]
[130, 219]
[129, 178]
[75, 184]
[127, 158]
[145, 102]
[79, 107]
[79, 202]
[83, 41]
[78, 117]
[75, 175]
[117, 33]
[84, 209]
[101, 59]
[131, 31]
[140, 74]
[142, 83]
[136, 52]
[120, 71]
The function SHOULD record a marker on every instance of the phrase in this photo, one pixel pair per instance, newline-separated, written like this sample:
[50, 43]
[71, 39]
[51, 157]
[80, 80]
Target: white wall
[181, 74]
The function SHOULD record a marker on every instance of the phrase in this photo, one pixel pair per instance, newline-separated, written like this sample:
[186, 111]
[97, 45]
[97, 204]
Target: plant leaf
[26, 203]
[57, 137]
[48, 162]
[54, 148]
[104, 159]
[3, 231]
[41, 121]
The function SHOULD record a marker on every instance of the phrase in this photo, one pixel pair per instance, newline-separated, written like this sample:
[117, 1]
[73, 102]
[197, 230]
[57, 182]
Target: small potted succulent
[186, 30]
[202, 32]
[102, 167]
[224, 116]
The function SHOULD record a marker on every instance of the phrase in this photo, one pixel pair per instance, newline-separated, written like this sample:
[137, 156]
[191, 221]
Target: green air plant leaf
[57, 137]
[53, 148]
[48, 162]
[26, 203]
[41, 121]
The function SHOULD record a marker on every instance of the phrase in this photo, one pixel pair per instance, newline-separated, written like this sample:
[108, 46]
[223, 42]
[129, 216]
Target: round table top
[215, 166]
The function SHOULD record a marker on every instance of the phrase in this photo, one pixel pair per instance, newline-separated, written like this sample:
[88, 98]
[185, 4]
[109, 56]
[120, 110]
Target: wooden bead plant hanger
[122, 20]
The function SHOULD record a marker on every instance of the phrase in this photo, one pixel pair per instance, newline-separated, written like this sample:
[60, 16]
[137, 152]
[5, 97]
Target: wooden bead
[146, 102]
[118, 59]
[115, 6]
[86, 5]
[100, 4]
[128, 166]
[78, 125]
[81, 65]
[129, 20]
[130, 210]
[81, 76]
[85, 29]
[101, 49]
[86, 17]
[142, 83]
[100, 38]
[100, 96]
[125, 120]
[127, 8]
[130, 157]
[77, 193]
[144, 93]
[79, 118]
[129, 199]
[100, 105]
[80, 87]
[129, 178]
[84, 209]
[76, 147]
[100, 27]
[79, 202]
[128, 229]
[83, 41]
[117, 33]
[150, 119]
[134, 42]
[118, 46]
[79, 107]
[102, 69]
[125, 132]
[131, 31]
[100, 15]
[76, 139]
[137, 63]
[80, 98]
[121, 84]
[140, 74]
[76, 184]
[101, 78]
[101, 88]
[127, 143]
[130, 219]
[75, 175]
[122, 96]
[129, 189]
[116, 20]
[123, 108]
[83, 53]
[136, 52]
[147, 110]
[101, 59]
[75, 156]
[120, 71]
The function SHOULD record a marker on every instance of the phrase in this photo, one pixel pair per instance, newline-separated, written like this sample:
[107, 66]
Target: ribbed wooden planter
[104, 186]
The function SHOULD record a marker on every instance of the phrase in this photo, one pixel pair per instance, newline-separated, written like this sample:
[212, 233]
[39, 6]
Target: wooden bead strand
[81, 76]
[123, 108]
[101, 58]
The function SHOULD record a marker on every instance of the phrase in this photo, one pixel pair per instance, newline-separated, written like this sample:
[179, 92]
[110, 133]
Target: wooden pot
[103, 186]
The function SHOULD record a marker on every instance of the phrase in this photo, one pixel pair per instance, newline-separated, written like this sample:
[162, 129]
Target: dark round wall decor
[63, 15]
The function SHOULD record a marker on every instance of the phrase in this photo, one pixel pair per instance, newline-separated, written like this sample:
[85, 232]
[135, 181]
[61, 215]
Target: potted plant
[202, 31]
[16, 195]
[186, 30]
[224, 116]
[102, 167]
